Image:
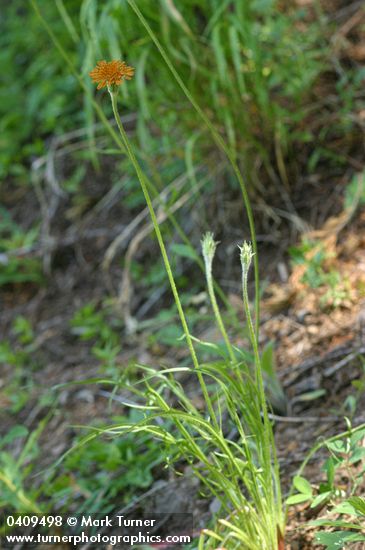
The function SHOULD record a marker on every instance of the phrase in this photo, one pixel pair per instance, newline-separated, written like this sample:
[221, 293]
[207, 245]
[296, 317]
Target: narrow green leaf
[310, 396]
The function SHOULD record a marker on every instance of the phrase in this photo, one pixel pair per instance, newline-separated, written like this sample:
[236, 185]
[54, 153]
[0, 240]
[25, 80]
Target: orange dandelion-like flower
[109, 73]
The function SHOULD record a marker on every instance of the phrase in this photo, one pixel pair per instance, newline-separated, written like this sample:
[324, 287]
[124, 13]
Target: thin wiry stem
[208, 249]
[269, 450]
[115, 136]
[142, 180]
[222, 146]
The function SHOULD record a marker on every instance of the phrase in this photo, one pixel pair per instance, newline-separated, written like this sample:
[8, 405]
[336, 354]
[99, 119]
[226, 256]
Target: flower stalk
[221, 145]
[209, 247]
[269, 449]
[142, 180]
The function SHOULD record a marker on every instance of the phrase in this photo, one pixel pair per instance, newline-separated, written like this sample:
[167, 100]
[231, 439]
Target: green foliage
[355, 192]
[18, 356]
[246, 65]
[164, 328]
[18, 265]
[220, 464]
[15, 471]
[37, 87]
[274, 389]
[153, 276]
[313, 255]
[344, 453]
[339, 289]
[91, 478]
[247, 68]
[23, 330]
[90, 324]
[8, 356]
[339, 539]
[105, 470]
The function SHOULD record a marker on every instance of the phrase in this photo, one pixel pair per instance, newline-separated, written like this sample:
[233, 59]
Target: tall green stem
[208, 248]
[218, 317]
[268, 437]
[222, 146]
[142, 180]
[114, 135]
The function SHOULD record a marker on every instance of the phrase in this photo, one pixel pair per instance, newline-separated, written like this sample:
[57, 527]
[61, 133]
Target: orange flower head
[111, 73]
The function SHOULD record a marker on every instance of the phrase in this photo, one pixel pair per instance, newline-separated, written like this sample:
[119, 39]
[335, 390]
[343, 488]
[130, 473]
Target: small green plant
[339, 289]
[313, 255]
[242, 473]
[18, 355]
[224, 466]
[36, 89]
[90, 324]
[237, 51]
[17, 263]
[15, 472]
[103, 470]
[352, 518]
[23, 330]
[331, 496]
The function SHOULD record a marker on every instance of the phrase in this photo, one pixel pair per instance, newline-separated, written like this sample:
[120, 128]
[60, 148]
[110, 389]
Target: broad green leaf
[356, 437]
[267, 360]
[320, 498]
[344, 508]
[184, 250]
[358, 503]
[297, 499]
[338, 539]
[357, 455]
[337, 446]
[302, 485]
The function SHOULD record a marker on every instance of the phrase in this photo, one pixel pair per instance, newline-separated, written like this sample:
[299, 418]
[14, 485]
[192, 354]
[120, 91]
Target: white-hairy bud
[246, 256]
[209, 246]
